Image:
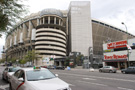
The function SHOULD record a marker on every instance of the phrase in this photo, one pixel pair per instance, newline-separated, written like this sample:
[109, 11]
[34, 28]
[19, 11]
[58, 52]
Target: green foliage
[13, 60]
[10, 11]
[2, 60]
[66, 63]
[31, 56]
[22, 61]
[79, 59]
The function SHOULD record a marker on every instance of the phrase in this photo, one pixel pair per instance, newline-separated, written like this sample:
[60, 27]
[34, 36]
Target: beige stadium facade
[47, 32]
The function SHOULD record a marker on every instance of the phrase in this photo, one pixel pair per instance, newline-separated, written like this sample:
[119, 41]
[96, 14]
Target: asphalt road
[82, 79]
[3, 84]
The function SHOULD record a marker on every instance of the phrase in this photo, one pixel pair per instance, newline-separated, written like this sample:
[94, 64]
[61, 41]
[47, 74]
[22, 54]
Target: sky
[112, 12]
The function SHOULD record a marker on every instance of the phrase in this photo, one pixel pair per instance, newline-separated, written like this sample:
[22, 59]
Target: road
[82, 79]
[3, 84]
[85, 80]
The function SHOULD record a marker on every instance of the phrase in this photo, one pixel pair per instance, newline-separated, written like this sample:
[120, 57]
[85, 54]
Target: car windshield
[13, 69]
[35, 75]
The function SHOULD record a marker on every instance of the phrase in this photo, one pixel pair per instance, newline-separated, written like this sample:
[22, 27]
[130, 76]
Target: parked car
[60, 67]
[109, 69]
[44, 66]
[8, 71]
[36, 78]
[129, 70]
[51, 67]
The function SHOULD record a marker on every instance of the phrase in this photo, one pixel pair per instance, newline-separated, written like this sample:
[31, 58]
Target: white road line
[89, 79]
[124, 88]
[93, 83]
[71, 84]
[126, 80]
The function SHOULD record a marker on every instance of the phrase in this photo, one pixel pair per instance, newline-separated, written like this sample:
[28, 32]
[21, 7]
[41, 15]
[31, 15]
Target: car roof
[31, 68]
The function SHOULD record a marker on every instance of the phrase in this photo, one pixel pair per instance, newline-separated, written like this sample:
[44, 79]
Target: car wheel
[100, 70]
[10, 87]
[110, 71]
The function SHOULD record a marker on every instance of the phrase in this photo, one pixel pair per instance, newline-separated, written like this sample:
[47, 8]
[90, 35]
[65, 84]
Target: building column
[59, 21]
[43, 20]
[18, 34]
[24, 31]
[118, 65]
[49, 20]
[38, 22]
[54, 20]
[30, 29]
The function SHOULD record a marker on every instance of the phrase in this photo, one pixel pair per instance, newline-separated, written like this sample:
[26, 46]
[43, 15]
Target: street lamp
[127, 44]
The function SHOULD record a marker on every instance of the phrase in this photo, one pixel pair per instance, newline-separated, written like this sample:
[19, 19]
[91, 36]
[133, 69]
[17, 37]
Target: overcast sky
[112, 12]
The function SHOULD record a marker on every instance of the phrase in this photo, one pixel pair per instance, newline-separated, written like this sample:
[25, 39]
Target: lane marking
[89, 79]
[124, 88]
[93, 83]
[71, 84]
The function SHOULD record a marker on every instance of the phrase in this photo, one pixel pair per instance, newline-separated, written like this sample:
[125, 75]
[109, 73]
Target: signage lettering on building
[119, 44]
[115, 57]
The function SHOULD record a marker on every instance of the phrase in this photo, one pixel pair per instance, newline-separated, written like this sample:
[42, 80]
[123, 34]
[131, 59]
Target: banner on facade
[119, 44]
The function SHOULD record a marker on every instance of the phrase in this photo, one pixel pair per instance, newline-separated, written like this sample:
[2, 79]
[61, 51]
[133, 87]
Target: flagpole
[127, 44]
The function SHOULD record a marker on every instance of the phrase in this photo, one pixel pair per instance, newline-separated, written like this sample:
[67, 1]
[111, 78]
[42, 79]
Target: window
[22, 75]
[17, 74]
[39, 75]
[6, 69]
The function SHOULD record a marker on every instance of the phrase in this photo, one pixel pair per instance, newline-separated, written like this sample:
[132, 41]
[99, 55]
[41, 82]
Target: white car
[36, 79]
[8, 71]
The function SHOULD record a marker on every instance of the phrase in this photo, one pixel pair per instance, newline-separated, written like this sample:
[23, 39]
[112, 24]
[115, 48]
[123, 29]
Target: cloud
[2, 42]
[115, 12]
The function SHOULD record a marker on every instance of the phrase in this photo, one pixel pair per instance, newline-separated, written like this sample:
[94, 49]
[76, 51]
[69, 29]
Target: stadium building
[56, 33]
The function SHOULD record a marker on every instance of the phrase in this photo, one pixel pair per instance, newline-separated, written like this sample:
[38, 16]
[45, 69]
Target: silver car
[109, 69]
[36, 79]
[8, 71]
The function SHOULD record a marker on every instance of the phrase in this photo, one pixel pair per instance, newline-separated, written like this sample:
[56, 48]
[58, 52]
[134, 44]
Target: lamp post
[127, 44]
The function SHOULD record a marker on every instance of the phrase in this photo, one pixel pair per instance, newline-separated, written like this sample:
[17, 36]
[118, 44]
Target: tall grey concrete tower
[80, 28]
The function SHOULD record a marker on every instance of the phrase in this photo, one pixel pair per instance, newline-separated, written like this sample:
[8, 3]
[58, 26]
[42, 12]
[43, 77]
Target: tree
[2, 60]
[31, 56]
[79, 59]
[66, 63]
[10, 11]
[13, 60]
[22, 61]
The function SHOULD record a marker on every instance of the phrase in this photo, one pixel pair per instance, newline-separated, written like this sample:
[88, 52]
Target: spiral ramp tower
[51, 38]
